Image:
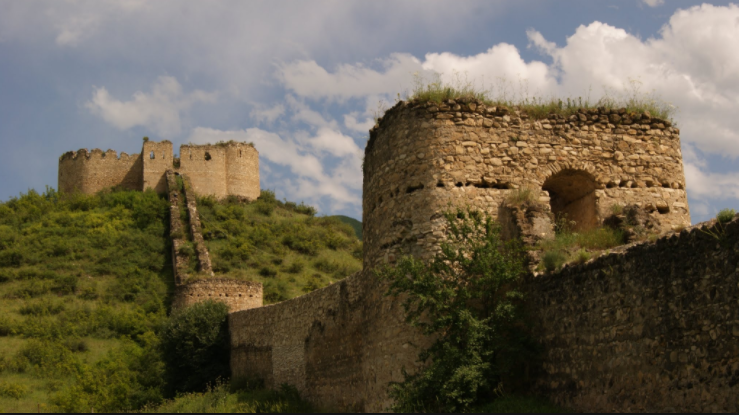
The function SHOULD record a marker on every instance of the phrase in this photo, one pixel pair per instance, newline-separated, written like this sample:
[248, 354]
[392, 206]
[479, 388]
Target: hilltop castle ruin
[220, 170]
[645, 327]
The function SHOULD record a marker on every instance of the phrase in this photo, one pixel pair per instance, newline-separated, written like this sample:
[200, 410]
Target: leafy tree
[195, 347]
[467, 299]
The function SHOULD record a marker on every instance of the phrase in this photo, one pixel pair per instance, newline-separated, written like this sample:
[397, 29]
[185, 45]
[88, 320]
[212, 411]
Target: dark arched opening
[572, 197]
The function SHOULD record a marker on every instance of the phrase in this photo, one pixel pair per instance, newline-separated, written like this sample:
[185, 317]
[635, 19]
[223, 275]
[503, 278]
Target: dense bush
[467, 299]
[195, 347]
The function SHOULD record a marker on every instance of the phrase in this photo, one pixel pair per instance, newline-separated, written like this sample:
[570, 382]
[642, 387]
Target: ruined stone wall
[205, 165]
[90, 172]
[157, 159]
[340, 345]
[238, 295]
[201, 251]
[242, 170]
[651, 328]
[423, 157]
[177, 230]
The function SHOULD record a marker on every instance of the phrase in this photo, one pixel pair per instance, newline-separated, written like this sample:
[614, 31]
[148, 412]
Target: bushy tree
[195, 347]
[467, 299]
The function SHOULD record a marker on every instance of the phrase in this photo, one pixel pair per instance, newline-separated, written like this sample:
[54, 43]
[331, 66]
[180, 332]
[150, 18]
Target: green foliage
[510, 96]
[467, 298]
[13, 390]
[355, 224]
[521, 195]
[725, 215]
[225, 398]
[246, 243]
[127, 378]
[553, 260]
[83, 280]
[195, 347]
[568, 246]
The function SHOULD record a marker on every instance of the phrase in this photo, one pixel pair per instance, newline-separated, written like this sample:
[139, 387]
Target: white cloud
[703, 184]
[159, 110]
[351, 122]
[306, 158]
[654, 3]
[308, 79]
[268, 115]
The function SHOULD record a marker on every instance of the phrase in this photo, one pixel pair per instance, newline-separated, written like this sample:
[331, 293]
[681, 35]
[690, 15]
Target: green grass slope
[355, 224]
[86, 280]
[281, 244]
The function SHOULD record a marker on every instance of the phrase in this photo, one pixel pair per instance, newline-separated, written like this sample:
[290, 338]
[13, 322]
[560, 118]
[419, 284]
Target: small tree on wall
[467, 299]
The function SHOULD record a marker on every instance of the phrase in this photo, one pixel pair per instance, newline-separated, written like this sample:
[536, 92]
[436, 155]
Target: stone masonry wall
[90, 172]
[422, 158]
[201, 251]
[238, 295]
[651, 328]
[206, 167]
[177, 231]
[242, 172]
[339, 345]
[157, 159]
[219, 170]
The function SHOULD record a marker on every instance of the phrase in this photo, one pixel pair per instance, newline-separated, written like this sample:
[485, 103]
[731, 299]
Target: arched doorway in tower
[572, 197]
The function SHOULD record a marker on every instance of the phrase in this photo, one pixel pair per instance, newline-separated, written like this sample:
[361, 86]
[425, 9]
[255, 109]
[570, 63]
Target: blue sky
[304, 80]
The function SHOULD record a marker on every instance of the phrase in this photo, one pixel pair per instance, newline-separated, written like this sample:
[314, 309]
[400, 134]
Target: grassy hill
[85, 286]
[355, 224]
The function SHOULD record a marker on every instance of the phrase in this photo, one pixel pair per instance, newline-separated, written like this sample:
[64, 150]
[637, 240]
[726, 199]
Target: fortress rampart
[650, 327]
[220, 170]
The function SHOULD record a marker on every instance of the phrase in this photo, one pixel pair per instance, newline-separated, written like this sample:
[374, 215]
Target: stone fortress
[649, 326]
[220, 170]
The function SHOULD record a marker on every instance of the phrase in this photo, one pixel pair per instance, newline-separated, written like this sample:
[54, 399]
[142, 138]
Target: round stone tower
[423, 158]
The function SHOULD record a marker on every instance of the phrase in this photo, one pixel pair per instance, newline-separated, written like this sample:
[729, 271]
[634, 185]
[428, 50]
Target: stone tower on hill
[221, 170]
[423, 157]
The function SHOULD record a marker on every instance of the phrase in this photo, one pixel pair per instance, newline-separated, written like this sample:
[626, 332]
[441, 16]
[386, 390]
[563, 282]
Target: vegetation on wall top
[633, 101]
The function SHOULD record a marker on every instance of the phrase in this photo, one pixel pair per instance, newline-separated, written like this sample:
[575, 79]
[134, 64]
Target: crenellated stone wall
[219, 170]
[90, 172]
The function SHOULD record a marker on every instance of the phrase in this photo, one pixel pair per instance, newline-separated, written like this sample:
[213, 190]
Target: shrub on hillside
[467, 298]
[195, 347]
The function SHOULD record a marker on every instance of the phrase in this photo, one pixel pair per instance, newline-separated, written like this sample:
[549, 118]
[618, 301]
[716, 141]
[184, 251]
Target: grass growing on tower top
[537, 107]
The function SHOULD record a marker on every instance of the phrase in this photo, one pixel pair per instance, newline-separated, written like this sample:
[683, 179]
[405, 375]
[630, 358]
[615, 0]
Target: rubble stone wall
[422, 158]
[157, 159]
[91, 171]
[653, 327]
[238, 295]
[339, 346]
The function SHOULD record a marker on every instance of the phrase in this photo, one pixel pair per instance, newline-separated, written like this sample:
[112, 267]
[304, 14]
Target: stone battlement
[220, 170]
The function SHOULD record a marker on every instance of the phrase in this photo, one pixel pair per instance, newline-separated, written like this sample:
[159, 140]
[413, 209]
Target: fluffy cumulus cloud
[158, 110]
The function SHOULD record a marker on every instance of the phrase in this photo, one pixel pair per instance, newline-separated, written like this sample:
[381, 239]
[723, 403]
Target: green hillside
[86, 281]
[355, 224]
